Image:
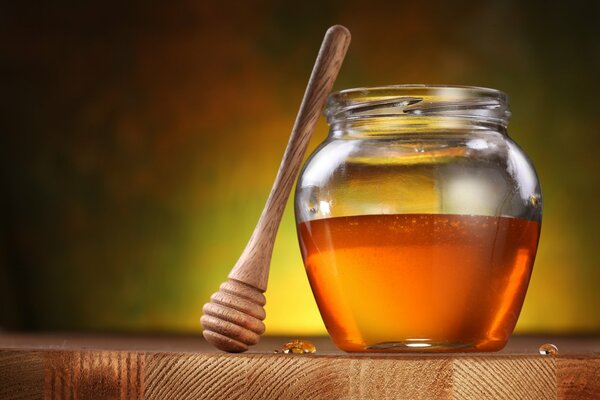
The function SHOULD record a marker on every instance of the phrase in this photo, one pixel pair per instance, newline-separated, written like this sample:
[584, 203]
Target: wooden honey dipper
[232, 320]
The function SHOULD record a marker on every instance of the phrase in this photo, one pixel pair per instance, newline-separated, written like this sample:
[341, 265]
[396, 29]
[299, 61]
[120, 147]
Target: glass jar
[418, 220]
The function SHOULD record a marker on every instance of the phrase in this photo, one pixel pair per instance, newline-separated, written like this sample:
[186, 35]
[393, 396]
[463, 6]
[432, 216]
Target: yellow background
[140, 142]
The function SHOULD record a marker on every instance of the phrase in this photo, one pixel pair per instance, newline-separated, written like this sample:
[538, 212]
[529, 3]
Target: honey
[548, 349]
[425, 282]
[298, 346]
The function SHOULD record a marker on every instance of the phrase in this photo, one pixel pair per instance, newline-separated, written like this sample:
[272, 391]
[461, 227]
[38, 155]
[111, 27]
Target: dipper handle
[231, 319]
[253, 266]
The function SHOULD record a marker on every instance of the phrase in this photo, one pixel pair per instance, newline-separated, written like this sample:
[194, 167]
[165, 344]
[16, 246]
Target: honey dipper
[232, 320]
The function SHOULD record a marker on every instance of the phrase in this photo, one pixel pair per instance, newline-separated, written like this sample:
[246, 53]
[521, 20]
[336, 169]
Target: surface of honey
[419, 282]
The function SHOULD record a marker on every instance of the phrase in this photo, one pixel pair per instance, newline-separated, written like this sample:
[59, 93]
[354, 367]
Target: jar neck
[416, 109]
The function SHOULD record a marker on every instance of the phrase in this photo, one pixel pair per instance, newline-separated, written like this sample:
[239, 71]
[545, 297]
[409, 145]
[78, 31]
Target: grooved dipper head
[232, 320]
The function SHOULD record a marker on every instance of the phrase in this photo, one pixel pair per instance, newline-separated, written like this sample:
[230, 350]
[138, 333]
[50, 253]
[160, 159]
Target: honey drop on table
[298, 346]
[548, 349]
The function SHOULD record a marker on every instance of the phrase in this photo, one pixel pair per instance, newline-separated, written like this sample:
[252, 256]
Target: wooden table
[132, 367]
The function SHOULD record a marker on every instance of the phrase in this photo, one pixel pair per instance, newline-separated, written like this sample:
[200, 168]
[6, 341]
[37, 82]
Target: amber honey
[427, 282]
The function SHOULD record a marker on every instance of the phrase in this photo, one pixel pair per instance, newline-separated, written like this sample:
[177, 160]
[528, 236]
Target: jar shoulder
[473, 174]
[335, 156]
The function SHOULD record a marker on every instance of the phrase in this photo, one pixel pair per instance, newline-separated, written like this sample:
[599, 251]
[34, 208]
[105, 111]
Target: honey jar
[418, 220]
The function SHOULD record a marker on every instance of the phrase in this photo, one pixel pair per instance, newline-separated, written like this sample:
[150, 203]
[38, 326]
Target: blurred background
[139, 141]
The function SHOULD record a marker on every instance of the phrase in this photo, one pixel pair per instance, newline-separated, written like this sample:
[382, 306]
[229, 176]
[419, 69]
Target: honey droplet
[548, 349]
[298, 346]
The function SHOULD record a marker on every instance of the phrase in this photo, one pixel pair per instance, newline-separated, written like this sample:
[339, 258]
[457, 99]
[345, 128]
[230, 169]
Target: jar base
[425, 346]
[422, 345]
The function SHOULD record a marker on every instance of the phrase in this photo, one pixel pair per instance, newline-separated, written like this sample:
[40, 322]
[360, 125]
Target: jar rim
[479, 91]
[421, 101]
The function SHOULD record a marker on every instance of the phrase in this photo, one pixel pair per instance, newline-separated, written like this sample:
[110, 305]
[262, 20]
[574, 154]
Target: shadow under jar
[418, 220]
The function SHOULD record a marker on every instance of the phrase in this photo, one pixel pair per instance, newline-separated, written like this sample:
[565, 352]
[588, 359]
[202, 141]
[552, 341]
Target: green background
[139, 141]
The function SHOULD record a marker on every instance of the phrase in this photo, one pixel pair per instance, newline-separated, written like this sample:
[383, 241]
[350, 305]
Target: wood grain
[94, 374]
[22, 374]
[578, 377]
[509, 377]
[80, 369]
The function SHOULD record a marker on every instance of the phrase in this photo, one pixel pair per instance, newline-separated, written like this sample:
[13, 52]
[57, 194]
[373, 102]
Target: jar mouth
[413, 103]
